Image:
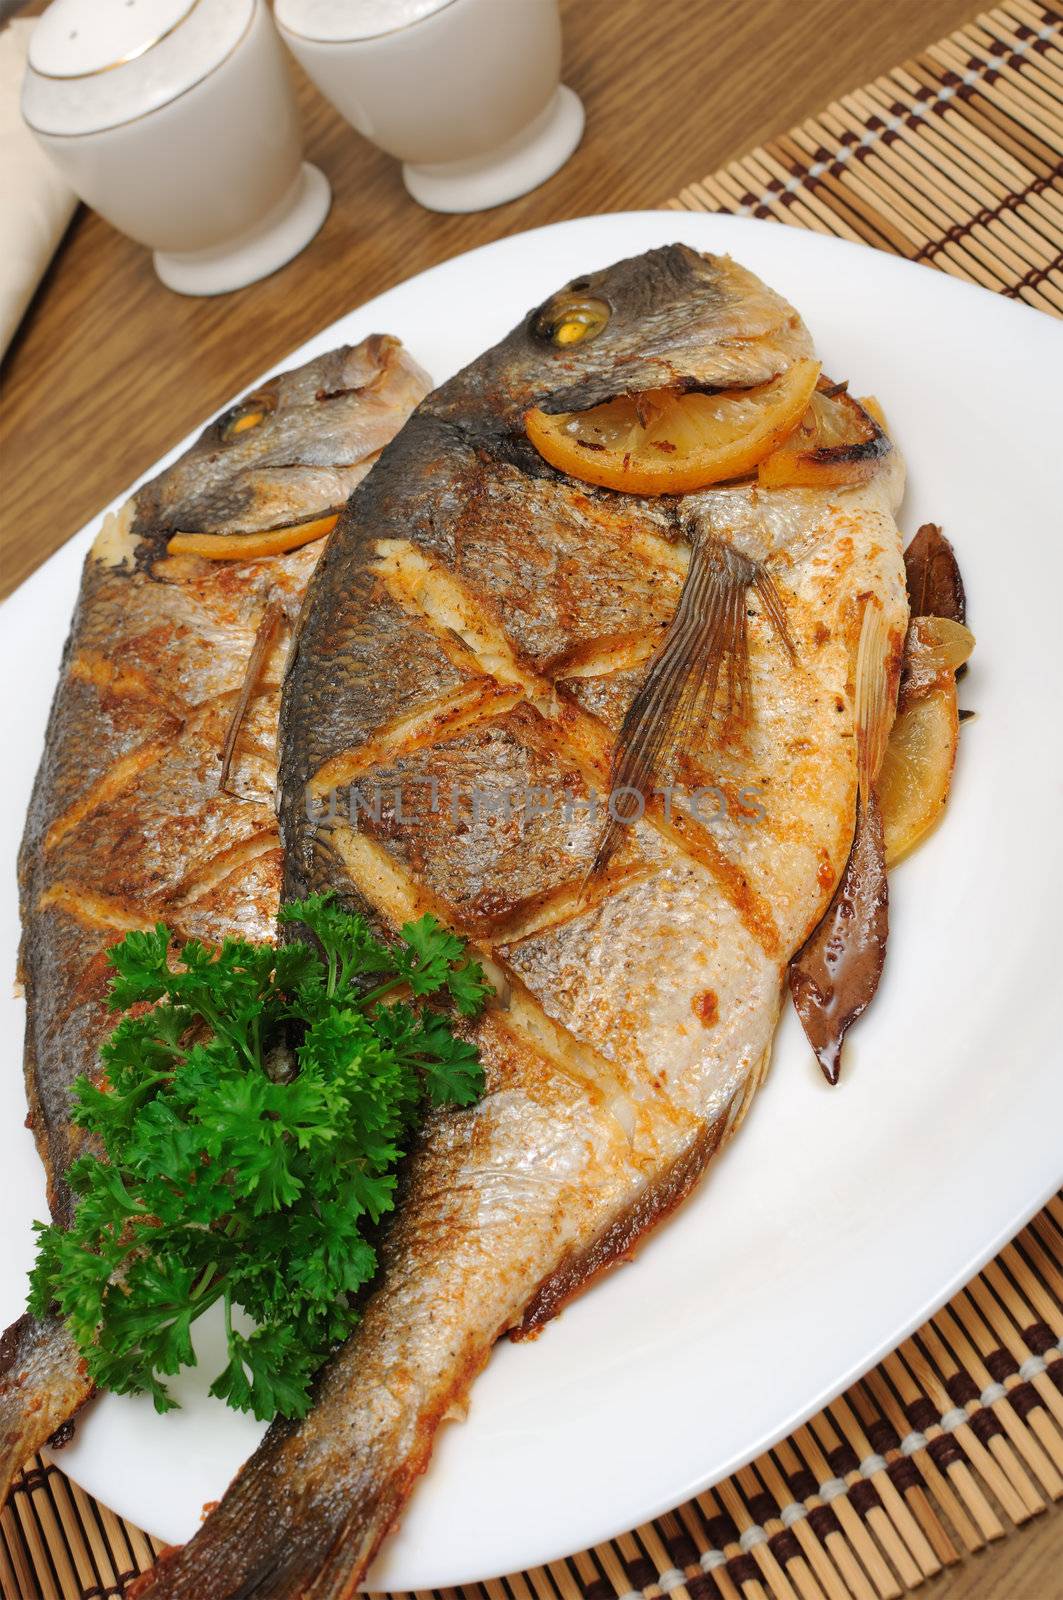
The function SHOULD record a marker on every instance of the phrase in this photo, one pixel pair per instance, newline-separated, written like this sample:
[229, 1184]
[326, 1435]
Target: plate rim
[682, 220]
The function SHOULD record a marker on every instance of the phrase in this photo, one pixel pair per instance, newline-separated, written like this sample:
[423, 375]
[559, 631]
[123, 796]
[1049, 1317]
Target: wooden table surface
[109, 368]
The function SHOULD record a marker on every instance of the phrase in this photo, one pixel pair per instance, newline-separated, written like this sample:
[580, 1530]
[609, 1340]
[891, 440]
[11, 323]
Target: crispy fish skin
[127, 823]
[480, 620]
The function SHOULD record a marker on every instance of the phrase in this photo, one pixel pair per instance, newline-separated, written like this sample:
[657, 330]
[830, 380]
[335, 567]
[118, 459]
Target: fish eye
[247, 414]
[571, 318]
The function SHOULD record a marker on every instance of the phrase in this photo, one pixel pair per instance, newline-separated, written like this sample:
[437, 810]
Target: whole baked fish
[155, 796]
[472, 662]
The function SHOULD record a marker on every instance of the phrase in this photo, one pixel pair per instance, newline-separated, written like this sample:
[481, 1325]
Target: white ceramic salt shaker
[176, 120]
[466, 93]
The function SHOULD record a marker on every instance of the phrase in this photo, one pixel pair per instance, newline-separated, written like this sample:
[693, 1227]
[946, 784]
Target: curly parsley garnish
[251, 1118]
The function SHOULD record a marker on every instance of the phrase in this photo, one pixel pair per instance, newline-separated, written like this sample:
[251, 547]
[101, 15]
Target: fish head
[670, 318]
[291, 449]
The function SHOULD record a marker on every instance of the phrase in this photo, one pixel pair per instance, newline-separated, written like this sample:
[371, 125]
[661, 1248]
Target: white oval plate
[839, 1219]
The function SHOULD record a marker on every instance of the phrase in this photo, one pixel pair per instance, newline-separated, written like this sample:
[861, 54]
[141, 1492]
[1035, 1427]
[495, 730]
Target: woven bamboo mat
[955, 160]
[952, 1442]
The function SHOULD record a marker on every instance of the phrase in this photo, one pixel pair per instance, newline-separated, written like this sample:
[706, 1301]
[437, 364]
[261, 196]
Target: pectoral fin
[708, 637]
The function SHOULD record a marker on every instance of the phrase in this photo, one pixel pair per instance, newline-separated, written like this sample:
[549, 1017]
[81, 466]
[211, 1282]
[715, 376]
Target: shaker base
[522, 163]
[287, 229]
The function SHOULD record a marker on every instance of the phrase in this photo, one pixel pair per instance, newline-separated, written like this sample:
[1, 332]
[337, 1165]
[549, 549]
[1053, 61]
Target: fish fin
[42, 1384]
[627, 1233]
[708, 635]
[874, 710]
[267, 627]
[624, 1235]
[834, 976]
[283, 1529]
[775, 609]
[747, 1094]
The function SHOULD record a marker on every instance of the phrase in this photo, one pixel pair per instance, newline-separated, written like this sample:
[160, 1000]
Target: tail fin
[266, 1542]
[305, 1516]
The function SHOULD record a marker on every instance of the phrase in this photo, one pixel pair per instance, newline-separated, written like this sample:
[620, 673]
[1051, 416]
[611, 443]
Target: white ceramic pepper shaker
[466, 93]
[176, 120]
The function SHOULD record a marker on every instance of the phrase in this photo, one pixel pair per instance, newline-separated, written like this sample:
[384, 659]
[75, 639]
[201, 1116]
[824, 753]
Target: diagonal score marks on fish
[445, 604]
[399, 898]
[128, 821]
[115, 783]
[708, 634]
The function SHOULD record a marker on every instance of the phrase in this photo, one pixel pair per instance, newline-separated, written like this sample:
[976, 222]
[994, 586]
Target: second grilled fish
[143, 809]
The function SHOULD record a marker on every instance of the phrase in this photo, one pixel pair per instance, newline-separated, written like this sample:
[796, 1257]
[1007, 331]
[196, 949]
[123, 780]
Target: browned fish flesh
[130, 819]
[481, 627]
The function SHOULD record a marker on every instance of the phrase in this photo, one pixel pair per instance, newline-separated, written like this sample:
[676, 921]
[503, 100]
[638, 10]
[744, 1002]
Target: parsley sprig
[254, 1106]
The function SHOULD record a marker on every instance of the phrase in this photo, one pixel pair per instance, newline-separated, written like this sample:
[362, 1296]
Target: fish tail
[306, 1514]
[268, 1541]
[317, 1552]
[42, 1384]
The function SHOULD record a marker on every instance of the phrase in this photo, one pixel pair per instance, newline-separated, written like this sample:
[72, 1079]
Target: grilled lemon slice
[837, 441]
[663, 441]
[916, 772]
[250, 546]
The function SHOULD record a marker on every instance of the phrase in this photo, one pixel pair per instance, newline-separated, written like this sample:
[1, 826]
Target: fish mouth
[745, 365]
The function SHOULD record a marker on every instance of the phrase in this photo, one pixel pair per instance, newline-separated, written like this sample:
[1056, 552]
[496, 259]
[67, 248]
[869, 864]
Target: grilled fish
[143, 807]
[479, 629]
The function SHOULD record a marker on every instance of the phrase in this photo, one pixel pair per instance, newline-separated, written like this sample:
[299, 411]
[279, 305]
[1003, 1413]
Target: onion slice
[934, 650]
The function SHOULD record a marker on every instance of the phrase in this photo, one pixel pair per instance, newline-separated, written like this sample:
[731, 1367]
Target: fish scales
[635, 1008]
[128, 823]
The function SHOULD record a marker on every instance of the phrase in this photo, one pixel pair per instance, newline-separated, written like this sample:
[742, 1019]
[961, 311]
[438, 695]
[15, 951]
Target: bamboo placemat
[953, 1441]
[955, 160]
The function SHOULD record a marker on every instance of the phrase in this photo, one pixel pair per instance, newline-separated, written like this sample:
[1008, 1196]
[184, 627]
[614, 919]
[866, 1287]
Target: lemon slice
[662, 441]
[916, 772]
[837, 441]
[250, 546]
